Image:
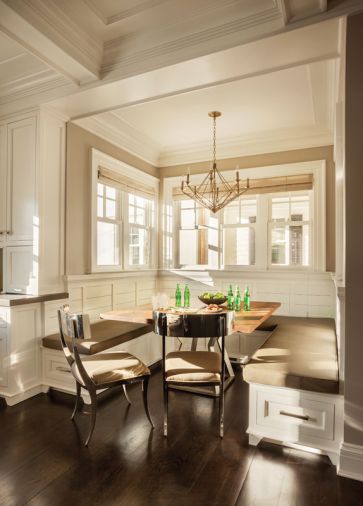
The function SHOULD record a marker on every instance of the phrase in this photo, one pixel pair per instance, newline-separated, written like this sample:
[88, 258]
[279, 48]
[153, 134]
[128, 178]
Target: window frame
[317, 210]
[100, 159]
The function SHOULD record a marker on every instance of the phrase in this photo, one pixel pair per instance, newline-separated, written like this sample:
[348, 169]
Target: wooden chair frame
[88, 384]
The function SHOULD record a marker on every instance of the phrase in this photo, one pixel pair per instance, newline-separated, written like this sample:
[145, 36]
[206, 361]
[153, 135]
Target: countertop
[12, 299]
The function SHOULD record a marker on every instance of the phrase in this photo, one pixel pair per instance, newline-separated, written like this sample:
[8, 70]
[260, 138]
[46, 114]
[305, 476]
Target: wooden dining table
[242, 322]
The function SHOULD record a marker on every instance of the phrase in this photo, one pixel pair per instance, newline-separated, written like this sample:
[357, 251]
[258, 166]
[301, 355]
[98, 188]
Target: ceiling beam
[56, 43]
[297, 47]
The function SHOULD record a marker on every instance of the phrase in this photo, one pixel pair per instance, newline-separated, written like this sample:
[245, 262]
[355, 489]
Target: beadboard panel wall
[301, 294]
[95, 294]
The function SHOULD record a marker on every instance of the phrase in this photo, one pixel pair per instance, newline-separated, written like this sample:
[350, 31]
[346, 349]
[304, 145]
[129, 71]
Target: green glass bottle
[237, 300]
[246, 299]
[186, 296]
[230, 298]
[178, 296]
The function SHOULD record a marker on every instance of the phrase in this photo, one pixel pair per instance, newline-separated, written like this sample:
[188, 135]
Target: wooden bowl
[219, 301]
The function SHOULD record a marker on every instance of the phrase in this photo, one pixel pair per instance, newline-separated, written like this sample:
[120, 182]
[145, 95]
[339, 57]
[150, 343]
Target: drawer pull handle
[63, 369]
[294, 415]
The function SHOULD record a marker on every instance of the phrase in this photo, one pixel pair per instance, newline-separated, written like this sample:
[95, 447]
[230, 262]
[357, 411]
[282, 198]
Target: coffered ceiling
[86, 57]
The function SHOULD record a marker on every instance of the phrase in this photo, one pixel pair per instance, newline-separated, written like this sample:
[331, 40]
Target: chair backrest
[75, 326]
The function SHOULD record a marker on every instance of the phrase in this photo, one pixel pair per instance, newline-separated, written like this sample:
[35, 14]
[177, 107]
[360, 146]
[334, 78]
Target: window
[140, 223]
[265, 230]
[124, 224]
[289, 229]
[108, 225]
[239, 221]
[198, 235]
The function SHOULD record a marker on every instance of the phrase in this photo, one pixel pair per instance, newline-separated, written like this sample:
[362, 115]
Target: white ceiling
[163, 64]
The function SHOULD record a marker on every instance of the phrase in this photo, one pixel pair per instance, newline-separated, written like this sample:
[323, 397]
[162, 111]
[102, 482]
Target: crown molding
[116, 131]
[267, 142]
[123, 13]
[216, 38]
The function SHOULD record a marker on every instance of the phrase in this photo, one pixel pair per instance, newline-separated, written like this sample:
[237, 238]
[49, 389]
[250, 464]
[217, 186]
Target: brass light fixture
[214, 192]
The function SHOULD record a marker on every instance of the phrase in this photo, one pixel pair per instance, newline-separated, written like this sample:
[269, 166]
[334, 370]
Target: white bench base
[296, 417]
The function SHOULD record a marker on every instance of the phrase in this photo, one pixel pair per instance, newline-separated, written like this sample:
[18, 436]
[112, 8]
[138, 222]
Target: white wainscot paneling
[300, 293]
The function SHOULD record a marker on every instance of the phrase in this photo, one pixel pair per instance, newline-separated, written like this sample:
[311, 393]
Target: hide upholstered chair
[98, 371]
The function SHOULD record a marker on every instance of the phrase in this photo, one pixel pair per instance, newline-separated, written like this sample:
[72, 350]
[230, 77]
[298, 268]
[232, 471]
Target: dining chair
[101, 370]
[193, 368]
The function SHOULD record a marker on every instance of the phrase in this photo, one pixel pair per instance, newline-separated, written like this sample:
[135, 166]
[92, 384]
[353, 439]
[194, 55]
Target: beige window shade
[123, 183]
[268, 185]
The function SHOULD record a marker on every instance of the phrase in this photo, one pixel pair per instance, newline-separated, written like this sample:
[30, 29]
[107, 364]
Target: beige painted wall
[301, 155]
[353, 422]
[78, 192]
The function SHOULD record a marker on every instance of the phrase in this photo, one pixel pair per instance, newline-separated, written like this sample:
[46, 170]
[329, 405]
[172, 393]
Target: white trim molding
[351, 461]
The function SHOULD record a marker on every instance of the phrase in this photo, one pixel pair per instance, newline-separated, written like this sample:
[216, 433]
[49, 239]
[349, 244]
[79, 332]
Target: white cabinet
[3, 347]
[18, 174]
[21, 177]
[19, 269]
[3, 185]
[20, 366]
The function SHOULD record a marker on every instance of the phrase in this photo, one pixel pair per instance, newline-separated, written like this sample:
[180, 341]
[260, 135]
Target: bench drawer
[294, 416]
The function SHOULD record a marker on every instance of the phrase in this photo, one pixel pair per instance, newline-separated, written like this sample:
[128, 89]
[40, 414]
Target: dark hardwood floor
[43, 461]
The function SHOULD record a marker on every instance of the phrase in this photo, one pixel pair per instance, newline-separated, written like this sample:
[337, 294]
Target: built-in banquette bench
[106, 335]
[294, 385]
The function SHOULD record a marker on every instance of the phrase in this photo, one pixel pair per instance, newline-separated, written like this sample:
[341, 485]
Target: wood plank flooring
[43, 461]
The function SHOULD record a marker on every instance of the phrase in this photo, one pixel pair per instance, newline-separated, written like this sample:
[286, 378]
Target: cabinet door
[21, 163]
[19, 269]
[3, 183]
[3, 347]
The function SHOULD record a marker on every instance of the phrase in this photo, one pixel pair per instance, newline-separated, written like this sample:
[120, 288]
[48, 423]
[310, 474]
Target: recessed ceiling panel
[277, 101]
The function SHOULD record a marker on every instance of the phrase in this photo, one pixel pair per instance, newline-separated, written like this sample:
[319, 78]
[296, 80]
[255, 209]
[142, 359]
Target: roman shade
[267, 185]
[112, 178]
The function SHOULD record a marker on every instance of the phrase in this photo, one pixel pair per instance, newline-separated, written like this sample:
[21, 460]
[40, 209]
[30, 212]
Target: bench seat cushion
[105, 334]
[301, 353]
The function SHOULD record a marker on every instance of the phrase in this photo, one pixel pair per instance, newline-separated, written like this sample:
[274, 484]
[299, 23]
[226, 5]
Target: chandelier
[214, 192]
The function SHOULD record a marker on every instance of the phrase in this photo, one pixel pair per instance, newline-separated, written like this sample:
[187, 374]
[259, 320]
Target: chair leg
[93, 396]
[78, 399]
[126, 394]
[166, 394]
[145, 385]
[221, 412]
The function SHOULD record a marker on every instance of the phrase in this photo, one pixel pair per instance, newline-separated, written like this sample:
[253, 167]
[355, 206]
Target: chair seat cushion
[193, 366]
[105, 334]
[111, 366]
[301, 353]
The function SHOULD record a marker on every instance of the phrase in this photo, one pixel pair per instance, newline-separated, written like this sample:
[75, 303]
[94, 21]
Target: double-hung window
[260, 229]
[109, 226]
[290, 229]
[123, 216]
[239, 234]
[140, 225]
[198, 231]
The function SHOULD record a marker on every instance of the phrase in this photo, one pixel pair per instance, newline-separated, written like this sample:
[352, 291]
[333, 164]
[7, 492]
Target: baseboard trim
[351, 461]
[13, 399]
